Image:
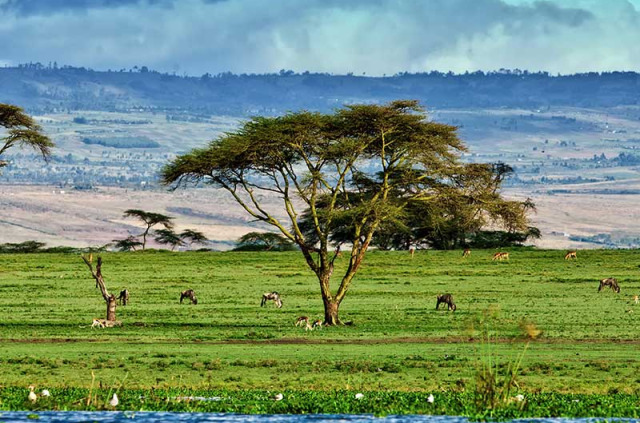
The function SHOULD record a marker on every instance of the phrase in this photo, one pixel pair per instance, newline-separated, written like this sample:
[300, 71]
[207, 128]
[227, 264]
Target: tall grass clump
[496, 379]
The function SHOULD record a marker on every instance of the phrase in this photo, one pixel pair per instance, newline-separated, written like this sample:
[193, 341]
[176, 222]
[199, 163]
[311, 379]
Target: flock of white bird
[33, 397]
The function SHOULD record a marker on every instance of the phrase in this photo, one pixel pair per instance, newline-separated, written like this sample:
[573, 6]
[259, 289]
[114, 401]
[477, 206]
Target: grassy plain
[398, 342]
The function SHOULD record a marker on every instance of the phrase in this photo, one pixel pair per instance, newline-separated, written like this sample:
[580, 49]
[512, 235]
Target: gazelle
[412, 250]
[466, 252]
[304, 321]
[500, 256]
[570, 255]
[635, 299]
[98, 323]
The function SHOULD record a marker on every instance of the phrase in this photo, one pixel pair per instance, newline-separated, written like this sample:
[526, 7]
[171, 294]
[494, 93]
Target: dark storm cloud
[373, 36]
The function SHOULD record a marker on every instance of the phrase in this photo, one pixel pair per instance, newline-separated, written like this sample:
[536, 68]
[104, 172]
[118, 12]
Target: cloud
[372, 36]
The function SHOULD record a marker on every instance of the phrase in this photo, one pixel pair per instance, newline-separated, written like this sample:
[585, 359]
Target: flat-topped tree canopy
[22, 131]
[353, 169]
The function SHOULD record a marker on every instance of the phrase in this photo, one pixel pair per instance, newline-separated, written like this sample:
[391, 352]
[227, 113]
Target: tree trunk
[331, 313]
[111, 308]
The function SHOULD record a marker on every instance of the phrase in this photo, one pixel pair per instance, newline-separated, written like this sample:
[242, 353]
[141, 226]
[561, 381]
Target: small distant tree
[128, 244]
[22, 131]
[22, 248]
[263, 241]
[150, 220]
[193, 237]
[168, 237]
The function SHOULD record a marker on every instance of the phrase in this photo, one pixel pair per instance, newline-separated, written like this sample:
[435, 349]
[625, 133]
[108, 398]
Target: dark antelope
[446, 299]
[611, 283]
[190, 294]
[124, 297]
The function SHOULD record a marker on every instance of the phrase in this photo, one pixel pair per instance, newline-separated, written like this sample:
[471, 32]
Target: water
[152, 417]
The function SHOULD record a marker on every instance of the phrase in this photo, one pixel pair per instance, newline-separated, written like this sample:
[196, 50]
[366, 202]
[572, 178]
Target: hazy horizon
[362, 37]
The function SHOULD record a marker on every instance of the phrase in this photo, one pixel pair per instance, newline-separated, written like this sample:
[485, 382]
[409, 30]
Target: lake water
[149, 417]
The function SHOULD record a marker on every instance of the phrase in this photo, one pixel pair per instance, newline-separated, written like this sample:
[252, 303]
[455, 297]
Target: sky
[372, 37]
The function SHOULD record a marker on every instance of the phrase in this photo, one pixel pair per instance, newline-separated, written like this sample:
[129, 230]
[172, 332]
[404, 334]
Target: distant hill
[47, 89]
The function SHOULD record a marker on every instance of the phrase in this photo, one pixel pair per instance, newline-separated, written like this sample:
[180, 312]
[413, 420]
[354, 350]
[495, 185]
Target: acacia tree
[360, 166]
[21, 131]
[264, 241]
[193, 237]
[127, 244]
[168, 237]
[150, 219]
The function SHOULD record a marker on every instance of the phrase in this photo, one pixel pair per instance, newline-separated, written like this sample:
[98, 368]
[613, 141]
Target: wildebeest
[611, 283]
[466, 252]
[124, 297]
[267, 296]
[570, 255]
[446, 299]
[500, 256]
[190, 294]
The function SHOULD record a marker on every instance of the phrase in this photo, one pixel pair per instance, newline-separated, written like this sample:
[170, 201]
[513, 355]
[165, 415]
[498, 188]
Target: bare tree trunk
[110, 299]
[111, 308]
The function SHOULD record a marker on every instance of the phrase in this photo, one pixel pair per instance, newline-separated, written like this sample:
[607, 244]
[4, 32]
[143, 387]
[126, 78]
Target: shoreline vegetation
[379, 403]
[581, 359]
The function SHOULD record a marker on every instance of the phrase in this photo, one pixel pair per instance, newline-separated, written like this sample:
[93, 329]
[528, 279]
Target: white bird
[114, 401]
[519, 397]
[359, 395]
[278, 397]
[45, 393]
[430, 399]
[32, 395]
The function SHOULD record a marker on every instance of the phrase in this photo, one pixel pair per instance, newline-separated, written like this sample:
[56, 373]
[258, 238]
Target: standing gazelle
[570, 255]
[500, 256]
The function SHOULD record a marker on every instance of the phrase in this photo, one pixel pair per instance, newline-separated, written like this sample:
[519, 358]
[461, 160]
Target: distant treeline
[51, 88]
[122, 142]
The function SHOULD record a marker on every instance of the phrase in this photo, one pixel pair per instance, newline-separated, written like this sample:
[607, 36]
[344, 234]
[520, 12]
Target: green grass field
[589, 341]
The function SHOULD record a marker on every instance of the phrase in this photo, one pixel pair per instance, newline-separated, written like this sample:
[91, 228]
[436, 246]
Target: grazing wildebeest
[570, 255]
[466, 252]
[500, 256]
[611, 283]
[267, 296]
[124, 297]
[190, 294]
[448, 300]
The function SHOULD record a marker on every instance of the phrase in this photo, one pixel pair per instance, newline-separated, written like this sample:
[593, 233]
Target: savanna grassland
[398, 342]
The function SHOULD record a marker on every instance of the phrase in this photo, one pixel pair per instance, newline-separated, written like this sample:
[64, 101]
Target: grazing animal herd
[304, 321]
